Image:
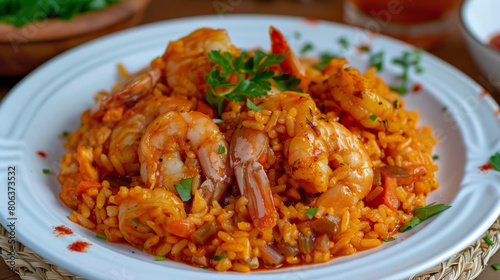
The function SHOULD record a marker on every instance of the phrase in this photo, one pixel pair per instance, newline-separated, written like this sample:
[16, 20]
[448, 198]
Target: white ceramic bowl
[479, 23]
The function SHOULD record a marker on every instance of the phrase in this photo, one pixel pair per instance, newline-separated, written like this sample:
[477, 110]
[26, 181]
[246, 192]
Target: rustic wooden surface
[453, 50]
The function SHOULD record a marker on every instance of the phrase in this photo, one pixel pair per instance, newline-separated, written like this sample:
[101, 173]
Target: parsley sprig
[251, 76]
[407, 61]
[423, 213]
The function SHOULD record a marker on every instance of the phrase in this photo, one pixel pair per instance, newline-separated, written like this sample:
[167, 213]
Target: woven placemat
[467, 264]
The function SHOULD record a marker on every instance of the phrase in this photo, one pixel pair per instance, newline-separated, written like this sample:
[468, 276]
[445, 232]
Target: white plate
[51, 99]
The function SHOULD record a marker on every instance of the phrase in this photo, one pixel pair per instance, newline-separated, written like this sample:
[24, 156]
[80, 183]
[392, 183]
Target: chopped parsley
[221, 150]
[204, 267]
[423, 213]
[252, 106]
[46, 171]
[488, 240]
[496, 266]
[388, 240]
[311, 212]
[65, 133]
[252, 76]
[219, 257]
[495, 161]
[218, 121]
[286, 82]
[377, 60]
[307, 48]
[373, 117]
[159, 258]
[364, 48]
[395, 104]
[344, 42]
[445, 108]
[184, 188]
[407, 61]
[100, 236]
[135, 222]
[325, 59]
[435, 157]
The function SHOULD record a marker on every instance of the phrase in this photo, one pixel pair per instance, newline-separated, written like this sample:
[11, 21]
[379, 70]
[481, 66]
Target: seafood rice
[325, 163]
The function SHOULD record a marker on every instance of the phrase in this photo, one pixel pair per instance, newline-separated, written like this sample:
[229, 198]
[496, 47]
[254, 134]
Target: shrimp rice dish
[235, 160]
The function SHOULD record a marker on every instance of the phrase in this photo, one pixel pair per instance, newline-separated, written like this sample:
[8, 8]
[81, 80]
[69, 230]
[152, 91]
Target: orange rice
[113, 201]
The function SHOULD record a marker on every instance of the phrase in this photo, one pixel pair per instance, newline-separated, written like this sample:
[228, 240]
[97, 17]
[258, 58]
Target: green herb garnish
[252, 75]
[65, 133]
[344, 42]
[364, 48]
[221, 150]
[252, 106]
[218, 121]
[325, 59]
[285, 82]
[297, 35]
[445, 108]
[184, 188]
[46, 171]
[488, 240]
[311, 212]
[388, 240]
[373, 117]
[19, 13]
[408, 60]
[219, 257]
[100, 236]
[135, 222]
[495, 161]
[435, 157]
[377, 60]
[306, 48]
[395, 104]
[204, 267]
[496, 266]
[423, 213]
[159, 258]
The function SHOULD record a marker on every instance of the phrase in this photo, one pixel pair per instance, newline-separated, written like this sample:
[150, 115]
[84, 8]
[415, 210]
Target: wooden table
[453, 50]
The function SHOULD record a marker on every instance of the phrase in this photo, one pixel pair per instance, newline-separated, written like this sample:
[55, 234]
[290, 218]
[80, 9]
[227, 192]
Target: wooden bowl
[24, 48]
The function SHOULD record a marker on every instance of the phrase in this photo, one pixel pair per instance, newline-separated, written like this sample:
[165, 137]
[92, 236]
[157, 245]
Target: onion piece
[272, 256]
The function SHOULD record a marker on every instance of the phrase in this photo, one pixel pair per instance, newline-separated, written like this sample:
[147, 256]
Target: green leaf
[135, 222]
[435, 157]
[373, 117]
[325, 59]
[46, 171]
[65, 133]
[395, 104]
[388, 240]
[488, 240]
[344, 42]
[271, 59]
[411, 224]
[307, 48]
[496, 266]
[184, 188]
[425, 212]
[310, 212]
[252, 106]
[495, 161]
[377, 60]
[218, 121]
[219, 257]
[100, 236]
[285, 82]
[158, 259]
[221, 150]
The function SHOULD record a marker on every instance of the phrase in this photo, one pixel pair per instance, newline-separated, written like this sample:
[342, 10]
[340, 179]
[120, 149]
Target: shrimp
[247, 147]
[157, 207]
[174, 134]
[291, 65]
[355, 95]
[187, 62]
[135, 87]
[127, 134]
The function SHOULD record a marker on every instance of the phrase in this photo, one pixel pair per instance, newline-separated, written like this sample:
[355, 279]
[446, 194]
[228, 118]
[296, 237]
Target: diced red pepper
[181, 228]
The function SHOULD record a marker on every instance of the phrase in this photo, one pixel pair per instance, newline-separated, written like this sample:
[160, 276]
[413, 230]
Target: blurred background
[432, 24]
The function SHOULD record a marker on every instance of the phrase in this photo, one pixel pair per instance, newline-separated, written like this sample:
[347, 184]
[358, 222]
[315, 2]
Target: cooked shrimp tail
[247, 147]
[291, 65]
[174, 147]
